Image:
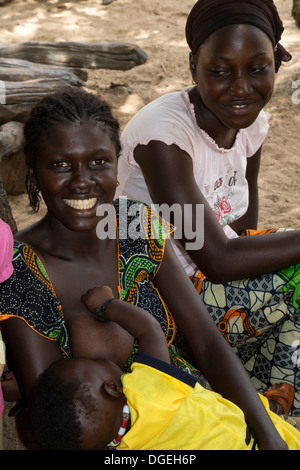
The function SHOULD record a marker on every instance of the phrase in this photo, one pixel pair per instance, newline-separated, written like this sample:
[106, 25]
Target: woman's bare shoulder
[31, 235]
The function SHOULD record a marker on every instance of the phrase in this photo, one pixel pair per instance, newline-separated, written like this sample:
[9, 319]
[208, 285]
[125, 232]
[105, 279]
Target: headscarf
[206, 16]
[6, 251]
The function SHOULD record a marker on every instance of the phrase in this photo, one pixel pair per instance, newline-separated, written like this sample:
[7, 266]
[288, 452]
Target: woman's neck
[223, 136]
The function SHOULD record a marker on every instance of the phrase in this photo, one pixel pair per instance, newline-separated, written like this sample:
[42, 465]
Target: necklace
[124, 423]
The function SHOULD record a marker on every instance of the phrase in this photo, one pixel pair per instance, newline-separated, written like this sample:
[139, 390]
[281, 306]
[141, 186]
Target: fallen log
[114, 56]
[17, 70]
[30, 91]
[18, 98]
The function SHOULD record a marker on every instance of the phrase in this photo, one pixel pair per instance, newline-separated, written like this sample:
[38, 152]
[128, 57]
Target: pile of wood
[31, 70]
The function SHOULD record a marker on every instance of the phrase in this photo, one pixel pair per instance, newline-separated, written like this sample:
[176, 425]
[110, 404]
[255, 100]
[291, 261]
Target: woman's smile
[240, 108]
[81, 204]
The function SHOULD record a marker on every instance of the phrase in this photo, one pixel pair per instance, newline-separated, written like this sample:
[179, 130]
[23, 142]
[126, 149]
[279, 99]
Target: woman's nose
[81, 177]
[240, 86]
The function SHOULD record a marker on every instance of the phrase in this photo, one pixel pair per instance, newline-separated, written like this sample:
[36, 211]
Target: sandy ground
[158, 28]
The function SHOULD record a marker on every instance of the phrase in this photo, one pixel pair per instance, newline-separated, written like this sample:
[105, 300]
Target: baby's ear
[113, 389]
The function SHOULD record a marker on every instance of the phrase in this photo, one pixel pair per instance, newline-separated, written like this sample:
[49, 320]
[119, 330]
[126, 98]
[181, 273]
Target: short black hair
[54, 418]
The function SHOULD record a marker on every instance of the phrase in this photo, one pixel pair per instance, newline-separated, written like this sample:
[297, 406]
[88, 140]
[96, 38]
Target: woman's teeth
[81, 204]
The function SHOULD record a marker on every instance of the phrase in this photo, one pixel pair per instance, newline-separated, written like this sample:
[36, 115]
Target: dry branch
[17, 70]
[117, 55]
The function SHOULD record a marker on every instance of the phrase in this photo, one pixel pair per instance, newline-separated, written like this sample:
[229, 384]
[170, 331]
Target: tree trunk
[20, 97]
[17, 70]
[115, 56]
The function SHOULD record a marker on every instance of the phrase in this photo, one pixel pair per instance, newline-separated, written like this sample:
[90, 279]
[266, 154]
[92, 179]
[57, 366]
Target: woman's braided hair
[67, 106]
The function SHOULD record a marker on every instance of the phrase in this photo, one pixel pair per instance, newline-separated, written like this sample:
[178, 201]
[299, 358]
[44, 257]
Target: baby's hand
[95, 298]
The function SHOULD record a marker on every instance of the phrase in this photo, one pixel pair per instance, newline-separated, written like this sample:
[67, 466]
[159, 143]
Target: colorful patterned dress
[260, 319]
[29, 294]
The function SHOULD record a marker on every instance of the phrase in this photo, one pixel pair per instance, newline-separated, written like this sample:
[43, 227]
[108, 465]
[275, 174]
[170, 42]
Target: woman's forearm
[244, 257]
[227, 376]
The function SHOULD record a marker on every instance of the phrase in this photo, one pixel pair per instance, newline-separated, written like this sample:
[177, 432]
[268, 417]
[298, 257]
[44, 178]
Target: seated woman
[201, 147]
[86, 239]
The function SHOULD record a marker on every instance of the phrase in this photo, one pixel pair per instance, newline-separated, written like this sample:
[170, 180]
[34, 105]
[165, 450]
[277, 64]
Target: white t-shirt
[219, 173]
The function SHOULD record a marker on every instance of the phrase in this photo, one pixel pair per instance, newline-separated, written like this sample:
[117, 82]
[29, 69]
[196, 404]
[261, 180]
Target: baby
[82, 403]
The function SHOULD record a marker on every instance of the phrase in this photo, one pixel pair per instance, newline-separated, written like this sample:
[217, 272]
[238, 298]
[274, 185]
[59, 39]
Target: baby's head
[78, 405]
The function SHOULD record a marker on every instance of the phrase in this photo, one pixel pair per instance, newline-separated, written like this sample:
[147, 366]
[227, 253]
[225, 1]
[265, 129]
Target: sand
[158, 28]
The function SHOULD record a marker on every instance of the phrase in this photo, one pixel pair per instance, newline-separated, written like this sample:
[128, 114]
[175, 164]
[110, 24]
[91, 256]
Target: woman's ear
[192, 62]
[113, 389]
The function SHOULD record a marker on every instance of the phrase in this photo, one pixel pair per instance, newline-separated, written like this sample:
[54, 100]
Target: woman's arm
[250, 219]
[213, 355]
[168, 172]
[30, 354]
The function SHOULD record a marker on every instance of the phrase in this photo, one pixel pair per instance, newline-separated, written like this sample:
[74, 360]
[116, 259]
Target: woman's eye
[97, 162]
[61, 164]
[219, 72]
[257, 68]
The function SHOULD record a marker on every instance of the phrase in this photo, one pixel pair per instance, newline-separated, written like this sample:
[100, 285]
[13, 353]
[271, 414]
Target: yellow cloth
[168, 413]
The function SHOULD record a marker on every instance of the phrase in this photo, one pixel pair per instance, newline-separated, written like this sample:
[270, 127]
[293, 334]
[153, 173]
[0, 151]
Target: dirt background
[158, 28]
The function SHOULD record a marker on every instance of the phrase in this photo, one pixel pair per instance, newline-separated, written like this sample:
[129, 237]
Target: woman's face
[76, 171]
[234, 73]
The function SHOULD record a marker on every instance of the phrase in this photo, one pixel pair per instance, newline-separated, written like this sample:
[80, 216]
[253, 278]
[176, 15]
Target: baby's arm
[139, 323]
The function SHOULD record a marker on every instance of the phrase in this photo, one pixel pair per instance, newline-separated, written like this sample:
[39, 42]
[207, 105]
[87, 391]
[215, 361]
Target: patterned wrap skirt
[259, 317]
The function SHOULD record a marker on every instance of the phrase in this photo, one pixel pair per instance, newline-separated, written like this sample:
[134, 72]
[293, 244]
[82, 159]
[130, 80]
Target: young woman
[201, 147]
[71, 147]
